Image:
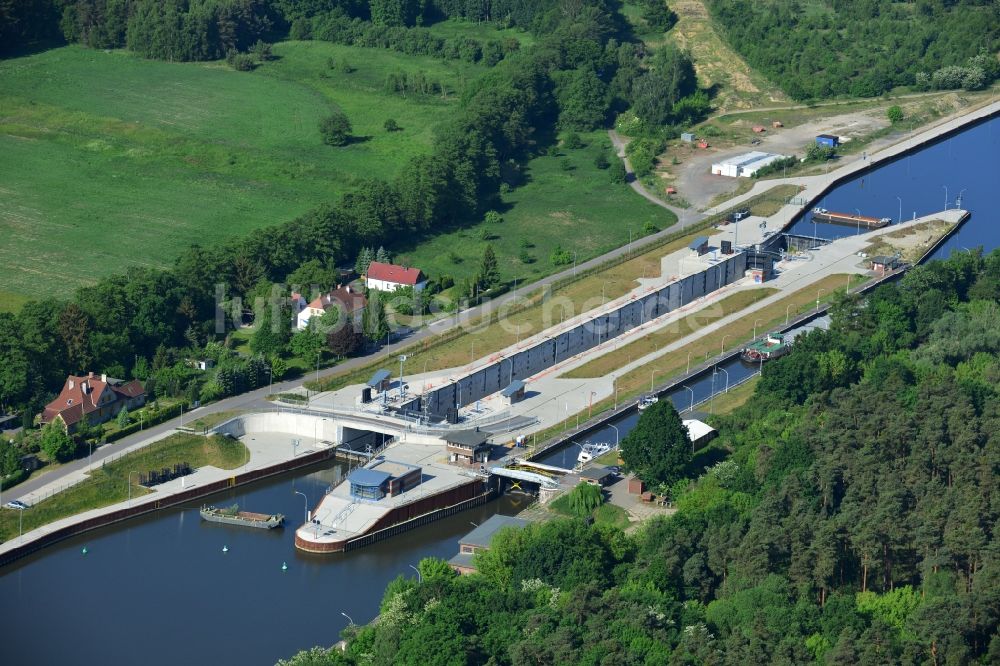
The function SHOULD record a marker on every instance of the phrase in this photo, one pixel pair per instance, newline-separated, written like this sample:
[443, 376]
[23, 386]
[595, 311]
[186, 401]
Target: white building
[390, 277]
[345, 298]
[745, 165]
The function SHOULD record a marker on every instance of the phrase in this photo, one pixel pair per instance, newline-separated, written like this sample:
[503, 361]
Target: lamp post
[858, 219]
[128, 482]
[348, 618]
[402, 358]
[420, 578]
[786, 312]
[958, 199]
[603, 285]
[617, 437]
[689, 363]
[755, 322]
[590, 404]
[899, 220]
[722, 350]
[726, 390]
[818, 291]
[20, 518]
[691, 408]
[305, 504]
[945, 196]
[711, 396]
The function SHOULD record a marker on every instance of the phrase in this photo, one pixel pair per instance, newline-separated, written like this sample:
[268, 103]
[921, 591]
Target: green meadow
[111, 160]
[565, 202]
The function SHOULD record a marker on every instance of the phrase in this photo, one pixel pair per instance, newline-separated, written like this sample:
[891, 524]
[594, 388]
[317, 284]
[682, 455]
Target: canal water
[161, 590]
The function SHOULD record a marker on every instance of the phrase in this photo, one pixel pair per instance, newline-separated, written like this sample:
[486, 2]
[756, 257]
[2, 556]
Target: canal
[161, 590]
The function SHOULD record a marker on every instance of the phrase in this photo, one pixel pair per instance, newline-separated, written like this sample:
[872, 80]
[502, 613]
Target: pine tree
[373, 320]
[382, 256]
[365, 257]
[489, 273]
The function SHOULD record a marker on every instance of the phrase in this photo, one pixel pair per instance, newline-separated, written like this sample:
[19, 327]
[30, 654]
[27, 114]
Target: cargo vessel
[233, 516]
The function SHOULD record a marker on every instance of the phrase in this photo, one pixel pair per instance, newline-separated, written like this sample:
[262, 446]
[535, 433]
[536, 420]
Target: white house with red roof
[96, 398]
[390, 277]
[344, 297]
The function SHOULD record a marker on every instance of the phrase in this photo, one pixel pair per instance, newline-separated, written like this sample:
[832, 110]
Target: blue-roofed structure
[700, 245]
[380, 379]
[514, 392]
[368, 483]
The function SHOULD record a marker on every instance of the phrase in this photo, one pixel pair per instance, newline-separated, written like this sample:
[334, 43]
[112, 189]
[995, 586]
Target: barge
[849, 219]
[233, 516]
[773, 346]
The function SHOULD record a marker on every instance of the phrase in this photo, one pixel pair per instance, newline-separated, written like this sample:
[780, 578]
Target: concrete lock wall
[587, 335]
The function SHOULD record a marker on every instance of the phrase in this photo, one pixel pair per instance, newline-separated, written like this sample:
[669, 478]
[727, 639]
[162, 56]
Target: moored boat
[590, 451]
[233, 516]
[647, 401]
[773, 346]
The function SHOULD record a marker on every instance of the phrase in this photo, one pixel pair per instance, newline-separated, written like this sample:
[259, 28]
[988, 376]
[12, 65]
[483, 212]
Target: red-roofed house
[390, 277]
[347, 299]
[94, 398]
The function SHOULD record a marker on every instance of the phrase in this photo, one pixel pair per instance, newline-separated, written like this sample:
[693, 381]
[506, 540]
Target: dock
[850, 220]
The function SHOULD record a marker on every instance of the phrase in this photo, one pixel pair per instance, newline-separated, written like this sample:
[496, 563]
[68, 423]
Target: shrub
[573, 141]
[894, 114]
[335, 129]
[601, 161]
[561, 257]
[391, 125]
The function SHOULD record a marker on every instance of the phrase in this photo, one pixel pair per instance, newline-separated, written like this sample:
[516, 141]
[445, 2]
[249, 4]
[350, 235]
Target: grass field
[109, 484]
[609, 362]
[566, 201]
[112, 160]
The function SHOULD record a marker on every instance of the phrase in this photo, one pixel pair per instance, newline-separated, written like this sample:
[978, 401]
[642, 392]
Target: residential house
[390, 277]
[94, 398]
[347, 299]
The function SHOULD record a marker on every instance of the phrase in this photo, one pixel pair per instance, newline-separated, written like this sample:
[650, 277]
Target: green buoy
[284, 566]
[84, 551]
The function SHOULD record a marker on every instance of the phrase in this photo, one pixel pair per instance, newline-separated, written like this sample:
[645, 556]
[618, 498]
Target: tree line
[866, 48]
[850, 522]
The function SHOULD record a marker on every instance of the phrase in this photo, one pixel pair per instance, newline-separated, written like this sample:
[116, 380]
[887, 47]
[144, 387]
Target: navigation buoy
[225, 549]
[84, 551]
[284, 566]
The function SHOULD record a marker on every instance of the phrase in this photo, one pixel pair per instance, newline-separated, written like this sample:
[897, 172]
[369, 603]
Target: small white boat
[648, 401]
[590, 451]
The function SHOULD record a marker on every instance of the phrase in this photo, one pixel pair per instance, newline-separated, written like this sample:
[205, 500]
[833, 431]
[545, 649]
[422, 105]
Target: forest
[837, 48]
[850, 522]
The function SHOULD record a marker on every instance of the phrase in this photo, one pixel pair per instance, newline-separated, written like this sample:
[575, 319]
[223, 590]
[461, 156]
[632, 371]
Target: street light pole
[348, 617]
[420, 578]
[726, 390]
[128, 482]
[858, 219]
[617, 437]
[689, 363]
[402, 357]
[786, 312]
[722, 350]
[755, 322]
[821, 289]
[900, 218]
[305, 504]
[945, 196]
[691, 408]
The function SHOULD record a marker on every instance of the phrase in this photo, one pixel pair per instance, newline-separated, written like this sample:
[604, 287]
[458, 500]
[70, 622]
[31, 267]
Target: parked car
[16, 504]
[755, 142]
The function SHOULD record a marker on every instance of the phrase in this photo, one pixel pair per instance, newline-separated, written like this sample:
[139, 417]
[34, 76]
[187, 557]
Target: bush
[493, 217]
[649, 228]
[573, 141]
[601, 161]
[618, 173]
[335, 129]
[241, 62]
[894, 114]
[565, 164]
[561, 257]
[391, 125]
[526, 257]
